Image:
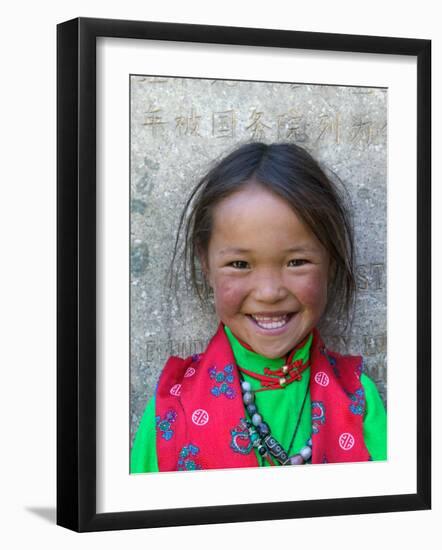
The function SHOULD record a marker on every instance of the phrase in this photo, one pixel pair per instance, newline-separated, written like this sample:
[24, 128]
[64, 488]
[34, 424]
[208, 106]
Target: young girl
[272, 237]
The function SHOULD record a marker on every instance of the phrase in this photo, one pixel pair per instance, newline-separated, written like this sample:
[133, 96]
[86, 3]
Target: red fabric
[200, 414]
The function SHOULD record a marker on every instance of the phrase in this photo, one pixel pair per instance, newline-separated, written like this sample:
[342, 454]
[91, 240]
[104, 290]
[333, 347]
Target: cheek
[312, 290]
[228, 294]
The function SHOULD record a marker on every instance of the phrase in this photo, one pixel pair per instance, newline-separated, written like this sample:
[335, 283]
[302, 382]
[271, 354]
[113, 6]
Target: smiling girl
[275, 246]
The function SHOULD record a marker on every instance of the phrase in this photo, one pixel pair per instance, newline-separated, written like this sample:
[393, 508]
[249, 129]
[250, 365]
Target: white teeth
[269, 318]
[270, 322]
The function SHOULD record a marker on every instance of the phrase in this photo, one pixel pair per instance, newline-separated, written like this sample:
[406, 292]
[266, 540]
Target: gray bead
[248, 398]
[296, 460]
[256, 419]
[246, 386]
[309, 442]
[263, 429]
[306, 453]
[251, 409]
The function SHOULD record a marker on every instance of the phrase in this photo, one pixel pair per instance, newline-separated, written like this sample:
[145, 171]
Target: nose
[269, 287]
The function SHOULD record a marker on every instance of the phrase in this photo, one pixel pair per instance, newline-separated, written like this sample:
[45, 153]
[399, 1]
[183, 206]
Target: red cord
[270, 383]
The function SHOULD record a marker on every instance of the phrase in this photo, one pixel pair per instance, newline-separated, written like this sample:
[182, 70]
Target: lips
[273, 321]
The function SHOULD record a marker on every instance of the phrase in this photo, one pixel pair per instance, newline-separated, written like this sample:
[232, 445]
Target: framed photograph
[241, 210]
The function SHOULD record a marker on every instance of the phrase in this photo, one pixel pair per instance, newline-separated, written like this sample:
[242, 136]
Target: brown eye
[239, 264]
[297, 263]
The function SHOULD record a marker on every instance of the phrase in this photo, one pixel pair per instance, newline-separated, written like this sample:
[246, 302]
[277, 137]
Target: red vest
[196, 430]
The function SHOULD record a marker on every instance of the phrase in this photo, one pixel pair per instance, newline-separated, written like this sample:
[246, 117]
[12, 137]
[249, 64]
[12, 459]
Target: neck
[290, 354]
[245, 355]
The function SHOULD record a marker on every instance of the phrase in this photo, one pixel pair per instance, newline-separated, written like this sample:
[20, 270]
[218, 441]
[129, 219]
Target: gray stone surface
[178, 127]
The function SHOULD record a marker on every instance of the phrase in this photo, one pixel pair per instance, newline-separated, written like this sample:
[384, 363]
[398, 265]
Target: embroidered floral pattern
[165, 424]
[222, 380]
[357, 405]
[240, 440]
[318, 415]
[186, 458]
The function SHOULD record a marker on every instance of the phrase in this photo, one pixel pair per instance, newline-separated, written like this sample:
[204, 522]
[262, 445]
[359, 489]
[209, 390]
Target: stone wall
[178, 127]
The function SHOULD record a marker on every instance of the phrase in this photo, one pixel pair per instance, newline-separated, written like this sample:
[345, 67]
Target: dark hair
[291, 172]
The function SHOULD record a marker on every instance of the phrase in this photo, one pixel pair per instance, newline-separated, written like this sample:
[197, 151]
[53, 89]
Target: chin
[270, 353]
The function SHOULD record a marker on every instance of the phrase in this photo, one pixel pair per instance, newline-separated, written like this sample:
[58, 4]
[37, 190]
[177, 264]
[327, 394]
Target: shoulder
[346, 358]
[375, 420]
[335, 359]
[180, 365]
[371, 391]
[343, 362]
[345, 369]
[176, 370]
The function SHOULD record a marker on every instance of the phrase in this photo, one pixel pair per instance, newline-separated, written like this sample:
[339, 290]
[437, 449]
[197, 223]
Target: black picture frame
[77, 287]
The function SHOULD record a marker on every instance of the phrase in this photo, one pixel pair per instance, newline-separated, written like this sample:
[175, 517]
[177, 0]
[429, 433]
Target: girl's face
[268, 271]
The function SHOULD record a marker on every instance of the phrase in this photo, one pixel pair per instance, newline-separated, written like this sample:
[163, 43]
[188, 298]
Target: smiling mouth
[269, 322]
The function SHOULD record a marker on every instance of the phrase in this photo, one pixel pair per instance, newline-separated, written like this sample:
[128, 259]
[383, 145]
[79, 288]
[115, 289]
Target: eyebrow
[300, 249]
[235, 250]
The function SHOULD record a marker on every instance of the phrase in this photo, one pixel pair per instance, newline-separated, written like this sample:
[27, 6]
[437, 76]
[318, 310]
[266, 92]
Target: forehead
[254, 217]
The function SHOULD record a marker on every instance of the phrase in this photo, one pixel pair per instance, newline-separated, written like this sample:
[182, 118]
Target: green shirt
[280, 409]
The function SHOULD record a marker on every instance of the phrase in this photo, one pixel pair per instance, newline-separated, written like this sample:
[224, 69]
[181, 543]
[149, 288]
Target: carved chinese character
[224, 124]
[154, 120]
[361, 130]
[257, 126]
[329, 126]
[188, 125]
[292, 126]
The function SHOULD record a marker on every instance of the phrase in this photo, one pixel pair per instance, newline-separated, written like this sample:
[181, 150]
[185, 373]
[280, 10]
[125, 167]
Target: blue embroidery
[165, 424]
[222, 380]
[186, 455]
[358, 402]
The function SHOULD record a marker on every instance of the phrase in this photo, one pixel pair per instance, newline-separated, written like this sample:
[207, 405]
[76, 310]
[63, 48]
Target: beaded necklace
[266, 444]
[261, 437]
